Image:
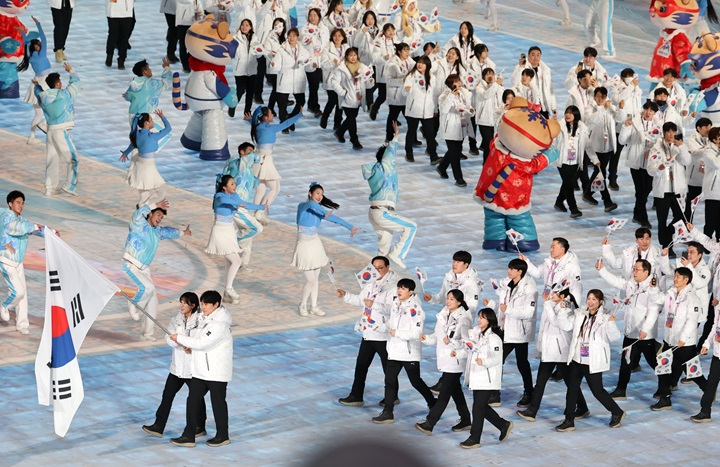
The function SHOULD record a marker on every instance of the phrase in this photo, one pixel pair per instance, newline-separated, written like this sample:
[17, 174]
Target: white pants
[248, 227]
[600, 15]
[493, 13]
[148, 197]
[310, 289]
[266, 192]
[566, 10]
[146, 297]
[61, 154]
[14, 274]
[385, 222]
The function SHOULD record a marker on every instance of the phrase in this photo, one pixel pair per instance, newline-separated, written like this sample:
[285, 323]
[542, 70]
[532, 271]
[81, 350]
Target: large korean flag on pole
[75, 294]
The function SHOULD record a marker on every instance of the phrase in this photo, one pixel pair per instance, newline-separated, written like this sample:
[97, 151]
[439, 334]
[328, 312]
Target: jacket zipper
[488, 373]
[558, 344]
[522, 323]
[712, 187]
[207, 361]
[606, 356]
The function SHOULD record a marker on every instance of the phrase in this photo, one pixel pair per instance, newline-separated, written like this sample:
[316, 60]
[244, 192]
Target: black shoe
[442, 174]
[463, 157]
[506, 431]
[409, 158]
[566, 425]
[560, 207]
[461, 183]
[470, 444]
[286, 131]
[200, 431]
[436, 389]
[663, 404]
[590, 200]
[186, 70]
[373, 113]
[172, 58]
[494, 400]
[613, 186]
[528, 414]
[674, 388]
[425, 428]
[417, 144]
[382, 402]
[616, 420]
[231, 112]
[647, 225]
[352, 401]
[573, 215]
[384, 418]
[611, 207]
[291, 102]
[292, 127]
[184, 441]
[323, 123]
[121, 65]
[340, 138]
[258, 100]
[686, 380]
[525, 400]
[581, 413]
[108, 61]
[701, 417]
[434, 160]
[672, 254]
[317, 114]
[463, 425]
[217, 442]
[357, 146]
[618, 394]
[154, 429]
[474, 152]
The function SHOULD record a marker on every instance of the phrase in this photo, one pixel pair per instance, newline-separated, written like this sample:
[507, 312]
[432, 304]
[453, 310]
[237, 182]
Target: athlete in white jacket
[700, 148]
[487, 99]
[421, 105]
[598, 74]
[461, 276]
[627, 96]
[643, 249]
[692, 259]
[708, 397]
[542, 80]
[561, 270]
[245, 65]
[290, 61]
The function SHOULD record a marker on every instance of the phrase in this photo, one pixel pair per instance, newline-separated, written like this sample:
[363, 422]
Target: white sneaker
[395, 259]
[149, 338]
[32, 140]
[566, 22]
[4, 313]
[24, 331]
[493, 28]
[70, 192]
[302, 310]
[49, 192]
[133, 312]
[261, 217]
[317, 311]
[232, 296]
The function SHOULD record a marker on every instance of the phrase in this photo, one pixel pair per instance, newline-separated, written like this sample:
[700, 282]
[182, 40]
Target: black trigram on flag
[76, 309]
[54, 281]
[61, 389]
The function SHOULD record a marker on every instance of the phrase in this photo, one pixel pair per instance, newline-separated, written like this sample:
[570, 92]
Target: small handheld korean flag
[515, 237]
[598, 183]
[681, 233]
[664, 363]
[75, 295]
[331, 273]
[367, 275]
[693, 368]
[494, 283]
[615, 224]
[422, 277]
[693, 205]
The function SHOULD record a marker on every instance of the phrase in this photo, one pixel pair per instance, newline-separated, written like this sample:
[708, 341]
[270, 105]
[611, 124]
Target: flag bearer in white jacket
[290, 59]
[708, 397]
[641, 319]
[180, 366]
[487, 99]
[553, 343]
[714, 263]
[711, 185]
[375, 298]
[212, 365]
[456, 111]
[699, 147]
[628, 97]
[642, 249]
[461, 276]
[405, 327]
[589, 357]
[600, 119]
[421, 105]
[561, 270]
[350, 80]
[516, 305]
[542, 80]
[692, 259]
[451, 331]
[681, 308]
[483, 374]
[598, 74]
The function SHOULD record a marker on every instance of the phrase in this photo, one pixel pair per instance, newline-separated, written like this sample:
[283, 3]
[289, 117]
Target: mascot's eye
[662, 9]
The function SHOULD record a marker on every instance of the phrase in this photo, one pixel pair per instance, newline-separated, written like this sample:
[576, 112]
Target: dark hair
[13, 195]
[144, 118]
[479, 49]
[281, 37]
[139, 68]
[350, 50]
[164, 211]
[671, 71]
[223, 182]
[583, 73]
[568, 296]
[576, 120]
[342, 34]
[597, 293]
[211, 297]
[471, 33]
[295, 31]
[317, 11]
[703, 121]
[29, 50]
[486, 71]
[331, 7]
[250, 34]
[325, 201]
[460, 297]
[406, 283]
[428, 45]
[590, 52]
[519, 265]
[645, 264]
[698, 246]
[669, 126]
[428, 67]
[507, 93]
[191, 299]
[381, 258]
[369, 13]
[660, 91]
[380, 153]
[528, 72]
[491, 317]
[650, 105]
[259, 114]
[627, 72]
[386, 27]
[534, 48]
[685, 272]
[52, 79]
[400, 47]
[563, 243]
[714, 133]
[602, 90]
[451, 80]
[462, 256]
[641, 231]
[458, 62]
[245, 145]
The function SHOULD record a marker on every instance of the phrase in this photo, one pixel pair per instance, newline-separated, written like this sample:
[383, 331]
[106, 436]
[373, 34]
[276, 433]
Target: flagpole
[134, 303]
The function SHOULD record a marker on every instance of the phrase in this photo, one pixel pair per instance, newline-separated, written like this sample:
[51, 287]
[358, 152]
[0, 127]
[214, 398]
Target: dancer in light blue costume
[144, 91]
[383, 181]
[14, 231]
[58, 105]
[140, 248]
[309, 255]
[142, 173]
[35, 57]
[241, 169]
[223, 237]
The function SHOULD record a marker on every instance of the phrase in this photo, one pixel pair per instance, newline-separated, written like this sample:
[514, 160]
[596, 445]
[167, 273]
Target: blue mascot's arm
[552, 153]
[9, 45]
[228, 94]
[685, 69]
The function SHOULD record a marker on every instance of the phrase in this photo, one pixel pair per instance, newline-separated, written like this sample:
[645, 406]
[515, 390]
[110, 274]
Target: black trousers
[711, 387]
[680, 356]
[471, 139]
[646, 348]
[428, 130]
[568, 175]
[330, 105]
[272, 79]
[545, 371]
[184, 56]
[393, 116]
[573, 377]
[523, 365]
[260, 77]
[604, 158]
[366, 354]
[451, 387]
[350, 123]
[693, 192]
[370, 93]
[643, 187]
[118, 37]
[712, 218]
[663, 206]
[282, 101]
[412, 369]
[314, 79]
[173, 384]
[452, 159]
[481, 411]
[487, 133]
[171, 36]
[61, 25]
[382, 95]
[615, 160]
[218, 391]
[709, 323]
[245, 85]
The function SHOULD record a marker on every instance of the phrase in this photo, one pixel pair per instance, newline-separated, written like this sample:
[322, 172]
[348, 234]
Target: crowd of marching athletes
[363, 59]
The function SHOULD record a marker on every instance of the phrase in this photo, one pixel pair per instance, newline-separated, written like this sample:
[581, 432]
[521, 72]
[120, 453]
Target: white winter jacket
[475, 68]
[422, 99]
[373, 322]
[119, 9]
[57, 4]
[671, 178]
[466, 50]
[290, 63]
[543, 81]
[395, 73]
[646, 301]
[467, 283]
[711, 342]
[601, 123]
[364, 41]
[599, 73]
[455, 327]
[314, 39]
[331, 58]
[442, 69]
[186, 10]
[383, 47]
[556, 325]
[489, 348]
[632, 98]
[212, 346]
[580, 98]
[555, 272]
[181, 364]
[351, 90]
[518, 320]
[407, 319]
[629, 257]
[710, 183]
[167, 7]
[639, 138]
[572, 148]
[701, 277]
[245, 60]
[487, 99]
[682, 312]
[602, 332]
[699, 148]
[455, 113]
